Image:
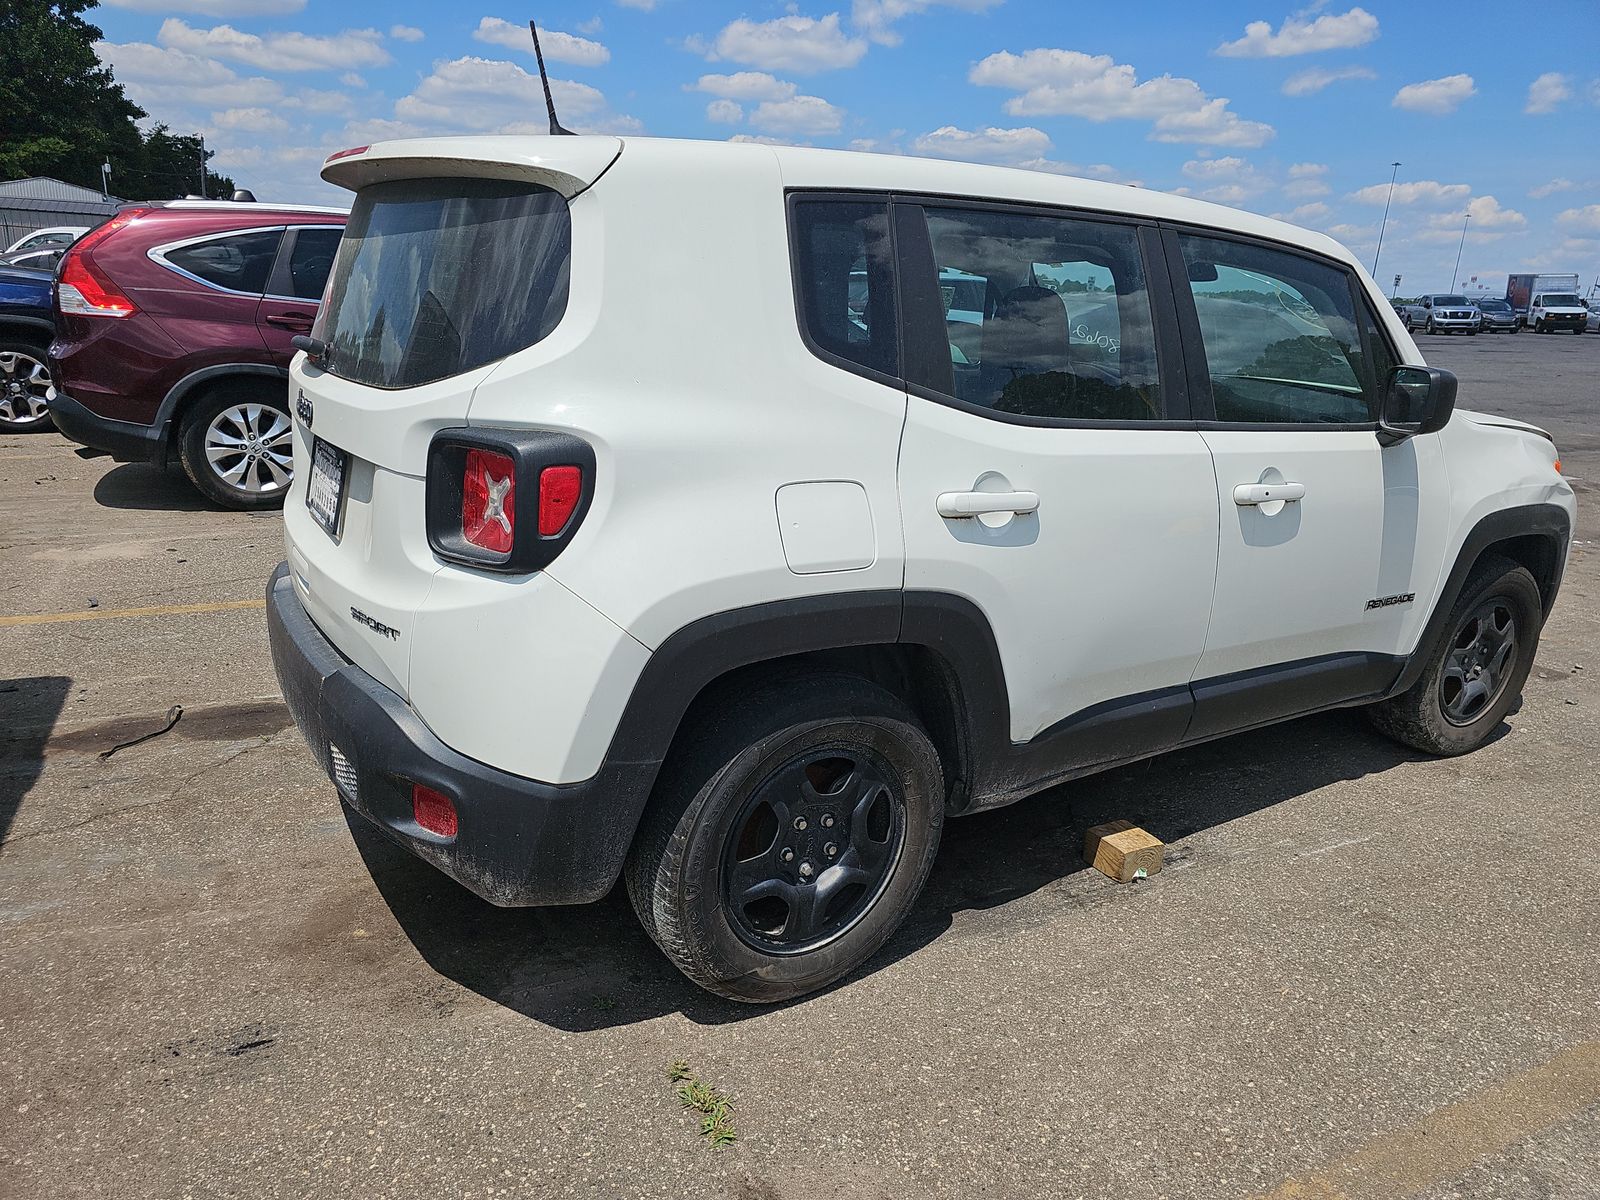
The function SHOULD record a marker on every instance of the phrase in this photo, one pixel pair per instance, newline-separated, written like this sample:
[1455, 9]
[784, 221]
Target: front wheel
[1475, 673]
[237, 446]
[25, 389]
[789, 837]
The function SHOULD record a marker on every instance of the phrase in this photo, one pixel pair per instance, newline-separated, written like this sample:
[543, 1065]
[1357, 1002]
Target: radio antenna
[549, 100]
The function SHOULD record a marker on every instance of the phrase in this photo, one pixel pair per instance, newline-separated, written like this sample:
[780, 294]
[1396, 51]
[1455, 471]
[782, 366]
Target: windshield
[1494, 306]
[1562, 300]
[438, 276]
[1449, 300]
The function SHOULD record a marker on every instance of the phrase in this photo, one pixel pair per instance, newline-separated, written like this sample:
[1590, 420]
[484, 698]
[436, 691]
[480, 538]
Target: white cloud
[173, 82]
[877, 18]
[1437, 97]
[798, 114]
[1307, 214]
[1096, 88]
[641, 5]
[1227, 180]
[406, 33]
[214, 8]
[351, 80]
[1420, 191]
[1305, 189]
[1585, 219]
[1007, 147]
[480, 95]
[1305, 170]
[1551, 188]
[804, 45]
[250, 120]
[278, 51]
[1297, 35]
[1488, 220]
[1314, 79]
[745, 85]
[725, 112]
[557, 46]
[1546, 93]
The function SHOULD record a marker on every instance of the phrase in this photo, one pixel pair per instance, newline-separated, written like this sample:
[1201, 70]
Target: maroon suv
[173, 325]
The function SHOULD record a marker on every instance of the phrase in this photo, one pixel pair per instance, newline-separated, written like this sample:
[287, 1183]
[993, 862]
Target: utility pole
[1392, 174]
[203, 166]
[1459, 249]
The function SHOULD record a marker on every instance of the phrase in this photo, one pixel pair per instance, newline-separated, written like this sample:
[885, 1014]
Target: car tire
[24, 386]
[735, 850]
[236, 445]
[1475, 672]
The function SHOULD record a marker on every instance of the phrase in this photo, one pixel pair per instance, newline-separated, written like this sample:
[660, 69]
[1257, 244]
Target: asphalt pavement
[1363, 973]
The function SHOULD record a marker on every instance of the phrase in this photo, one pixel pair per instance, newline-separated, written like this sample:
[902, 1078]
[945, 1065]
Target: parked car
[1445, 312]
[175, 323]
[1497, 316]
[26, 327]
[1592, 324]
[55, 235]
[743, 626]
[1550, 312]
[40, 260]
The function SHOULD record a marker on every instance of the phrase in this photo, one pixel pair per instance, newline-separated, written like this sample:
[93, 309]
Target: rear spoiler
[568, 165]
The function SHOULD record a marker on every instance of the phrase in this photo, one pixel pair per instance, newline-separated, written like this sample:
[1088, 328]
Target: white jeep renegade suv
[661, 511]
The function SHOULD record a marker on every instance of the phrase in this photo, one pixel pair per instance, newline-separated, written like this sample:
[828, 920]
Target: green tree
[62, 113]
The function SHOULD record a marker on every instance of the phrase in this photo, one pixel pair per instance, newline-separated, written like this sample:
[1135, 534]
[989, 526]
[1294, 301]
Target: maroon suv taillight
[82, 288]
[506, 500]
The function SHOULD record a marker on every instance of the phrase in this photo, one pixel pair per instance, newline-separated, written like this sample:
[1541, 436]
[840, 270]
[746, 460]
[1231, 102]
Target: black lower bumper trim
[519, 842]
[125, 441]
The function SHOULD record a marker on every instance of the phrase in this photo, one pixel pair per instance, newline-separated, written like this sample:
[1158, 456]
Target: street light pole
[1392, 174]
[1459, 249]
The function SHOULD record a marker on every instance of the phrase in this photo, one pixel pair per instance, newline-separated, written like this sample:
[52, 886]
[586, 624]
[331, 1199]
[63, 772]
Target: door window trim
[158, 255]
[1204, 404]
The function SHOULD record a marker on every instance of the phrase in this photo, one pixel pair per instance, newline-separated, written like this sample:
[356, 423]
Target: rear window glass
[239, 262]
[437, 277]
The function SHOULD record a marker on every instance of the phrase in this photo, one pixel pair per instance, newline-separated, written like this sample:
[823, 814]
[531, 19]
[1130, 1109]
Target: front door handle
[954, 505]
[1247, 494]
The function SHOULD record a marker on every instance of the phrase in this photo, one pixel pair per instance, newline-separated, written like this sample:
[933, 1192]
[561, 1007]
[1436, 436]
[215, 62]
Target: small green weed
[715, 1107]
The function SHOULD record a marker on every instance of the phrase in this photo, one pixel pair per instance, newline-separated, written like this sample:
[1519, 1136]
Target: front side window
[239, 262]
[1279, 333]
[436, 277]
[311, 259]
[1044, 316]
[844, 280]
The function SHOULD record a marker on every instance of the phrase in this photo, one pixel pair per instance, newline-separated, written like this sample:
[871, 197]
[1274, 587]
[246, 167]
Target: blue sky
[1494, 113]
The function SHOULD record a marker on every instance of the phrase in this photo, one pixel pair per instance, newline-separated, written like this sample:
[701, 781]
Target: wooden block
[1123, 851]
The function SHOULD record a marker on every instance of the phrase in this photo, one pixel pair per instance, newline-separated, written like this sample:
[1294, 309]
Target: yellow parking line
[105, 614]
[1444, 1144]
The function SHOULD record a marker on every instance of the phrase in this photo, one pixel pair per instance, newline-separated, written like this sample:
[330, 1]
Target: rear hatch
[456, 254]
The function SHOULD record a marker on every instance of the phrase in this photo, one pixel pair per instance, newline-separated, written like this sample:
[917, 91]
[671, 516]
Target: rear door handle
[299, 322]
[954, 505]
[1247, 494]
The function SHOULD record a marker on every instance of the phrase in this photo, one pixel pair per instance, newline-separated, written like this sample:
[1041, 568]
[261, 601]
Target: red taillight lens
[83, 288]
[488, 501]
[559, 489]
[433, 810]
[338, 154]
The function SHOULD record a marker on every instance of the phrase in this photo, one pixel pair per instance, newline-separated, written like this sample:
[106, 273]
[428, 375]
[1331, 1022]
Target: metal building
[29, 204]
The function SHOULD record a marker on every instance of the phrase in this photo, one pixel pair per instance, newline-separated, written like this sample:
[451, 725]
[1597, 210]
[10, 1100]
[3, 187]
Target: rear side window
[239, 262]
[1044, 316]
[436, 277]
[1279, 333]
[311, 259]
[844, 281]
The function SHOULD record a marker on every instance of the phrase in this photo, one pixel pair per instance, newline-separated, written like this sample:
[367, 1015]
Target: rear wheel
[789, 838]
[1476, 672]
[237, 445]
[25, 389]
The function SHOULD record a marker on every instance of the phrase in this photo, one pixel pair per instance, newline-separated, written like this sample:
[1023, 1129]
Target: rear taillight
[434, 811]
[489, 501]
[503, 500]
[82, 288]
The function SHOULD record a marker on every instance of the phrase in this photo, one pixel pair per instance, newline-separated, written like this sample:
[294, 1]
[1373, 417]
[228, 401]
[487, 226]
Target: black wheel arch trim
[181, 390]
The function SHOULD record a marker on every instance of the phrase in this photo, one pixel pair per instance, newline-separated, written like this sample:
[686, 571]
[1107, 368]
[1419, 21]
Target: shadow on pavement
[147, 486]
[593, 967]
[29, 709]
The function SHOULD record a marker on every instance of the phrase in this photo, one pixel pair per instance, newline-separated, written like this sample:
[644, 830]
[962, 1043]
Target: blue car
[26, 330]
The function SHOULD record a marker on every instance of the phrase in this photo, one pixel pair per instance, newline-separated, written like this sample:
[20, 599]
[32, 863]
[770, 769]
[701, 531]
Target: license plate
[325, 489]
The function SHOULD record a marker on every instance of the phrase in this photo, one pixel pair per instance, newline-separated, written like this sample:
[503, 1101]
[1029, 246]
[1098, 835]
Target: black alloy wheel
[1481, 658]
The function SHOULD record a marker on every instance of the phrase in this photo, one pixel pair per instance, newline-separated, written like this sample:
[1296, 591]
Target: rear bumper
[125, 441]
[519, 842]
